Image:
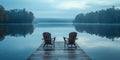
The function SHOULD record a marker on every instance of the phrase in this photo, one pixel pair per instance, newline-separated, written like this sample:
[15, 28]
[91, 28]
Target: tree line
[109, 15]
[15, 16]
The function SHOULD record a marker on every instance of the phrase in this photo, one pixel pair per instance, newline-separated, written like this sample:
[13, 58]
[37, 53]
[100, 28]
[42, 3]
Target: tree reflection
[103, 30]
[15, 30]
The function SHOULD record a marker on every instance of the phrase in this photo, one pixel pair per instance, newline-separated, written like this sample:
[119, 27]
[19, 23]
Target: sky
[59, 8]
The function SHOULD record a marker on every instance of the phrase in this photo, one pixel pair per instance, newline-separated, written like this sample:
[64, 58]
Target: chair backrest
[47, 37]
[72, 38]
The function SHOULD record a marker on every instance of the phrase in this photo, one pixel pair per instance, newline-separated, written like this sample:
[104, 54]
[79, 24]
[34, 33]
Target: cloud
[104, 2]
[72, 5]
[60, 7]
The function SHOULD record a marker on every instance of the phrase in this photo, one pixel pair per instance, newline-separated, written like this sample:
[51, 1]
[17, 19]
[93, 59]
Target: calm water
[100, 42]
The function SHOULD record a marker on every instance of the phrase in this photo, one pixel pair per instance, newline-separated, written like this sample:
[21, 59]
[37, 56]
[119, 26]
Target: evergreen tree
[15, 16]
[110, 15]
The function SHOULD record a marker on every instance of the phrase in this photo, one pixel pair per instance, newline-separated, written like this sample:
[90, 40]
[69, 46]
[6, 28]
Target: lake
[99, 41]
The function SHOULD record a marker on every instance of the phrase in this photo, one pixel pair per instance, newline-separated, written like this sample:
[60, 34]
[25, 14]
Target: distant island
[109, 15]
[15, 16]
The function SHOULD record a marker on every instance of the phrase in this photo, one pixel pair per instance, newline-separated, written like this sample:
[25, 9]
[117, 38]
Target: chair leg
[67, 45]
[44, 45]
[53, 45]
[75, 45]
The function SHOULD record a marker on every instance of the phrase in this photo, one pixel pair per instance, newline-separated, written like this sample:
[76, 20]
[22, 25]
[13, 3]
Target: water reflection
[15, 30]
[103, 30]
[47, 54]
[72, 54]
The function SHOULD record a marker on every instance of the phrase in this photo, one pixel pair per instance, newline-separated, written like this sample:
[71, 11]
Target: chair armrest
[42, 38]
[53, 39]
[76, 39]
[65, 39]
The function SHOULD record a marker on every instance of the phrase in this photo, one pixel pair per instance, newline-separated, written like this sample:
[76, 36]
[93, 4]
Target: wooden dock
[59, 52]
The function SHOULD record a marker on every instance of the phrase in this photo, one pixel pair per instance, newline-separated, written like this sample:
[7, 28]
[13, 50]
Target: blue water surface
[18, 42]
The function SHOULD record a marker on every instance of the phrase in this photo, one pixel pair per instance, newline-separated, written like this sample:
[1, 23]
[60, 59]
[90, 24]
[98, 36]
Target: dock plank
[59, 52]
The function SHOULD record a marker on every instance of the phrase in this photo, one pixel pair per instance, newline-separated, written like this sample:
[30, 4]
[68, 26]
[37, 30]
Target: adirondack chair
[70, 40]
[48, 40]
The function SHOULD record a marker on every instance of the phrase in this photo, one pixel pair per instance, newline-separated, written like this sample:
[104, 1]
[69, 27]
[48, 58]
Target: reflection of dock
[59, 53]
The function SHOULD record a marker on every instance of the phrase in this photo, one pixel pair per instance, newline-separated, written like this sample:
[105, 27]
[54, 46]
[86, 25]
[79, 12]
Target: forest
[15, 16]
[109, 15]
